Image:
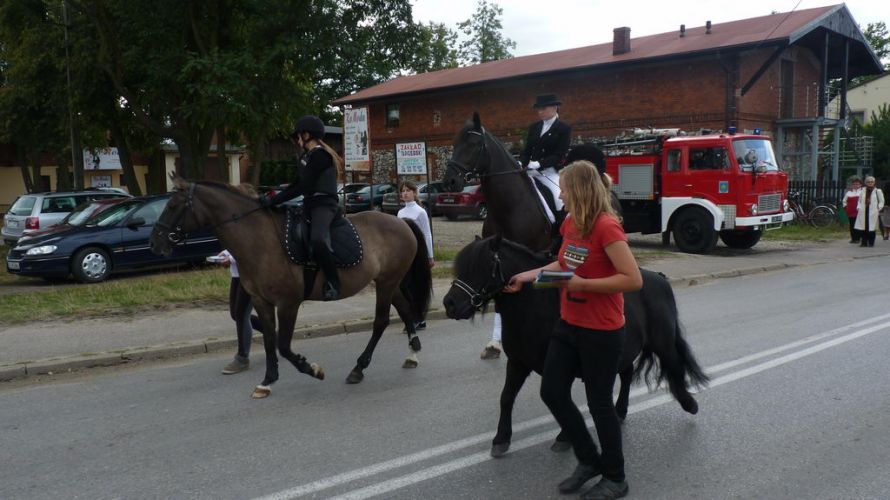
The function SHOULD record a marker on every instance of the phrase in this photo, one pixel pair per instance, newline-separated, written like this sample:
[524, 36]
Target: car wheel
[91, 265]
[451, 216]
[741, 239]
[482, 212]
[694, 231]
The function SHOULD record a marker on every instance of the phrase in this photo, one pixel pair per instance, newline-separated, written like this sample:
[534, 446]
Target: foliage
[436, 48]
[879, 128]
[278, 172]
[484, 40]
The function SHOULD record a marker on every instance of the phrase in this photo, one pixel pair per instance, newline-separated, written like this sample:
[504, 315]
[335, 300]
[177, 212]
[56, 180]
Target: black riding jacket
[316, 180]
[551, 148]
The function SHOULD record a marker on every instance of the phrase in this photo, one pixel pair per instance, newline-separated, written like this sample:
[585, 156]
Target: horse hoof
[261, 391]
[560, 446]
[690, 406]
[490, 352]
[414, 344]
[317, 371]
[499, 450]
[409, 363]
[355, 377]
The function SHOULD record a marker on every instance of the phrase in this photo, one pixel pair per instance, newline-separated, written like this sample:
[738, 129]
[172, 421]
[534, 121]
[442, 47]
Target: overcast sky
[547, 25]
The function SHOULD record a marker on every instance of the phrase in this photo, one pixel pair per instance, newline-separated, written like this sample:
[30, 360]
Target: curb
[70, 364]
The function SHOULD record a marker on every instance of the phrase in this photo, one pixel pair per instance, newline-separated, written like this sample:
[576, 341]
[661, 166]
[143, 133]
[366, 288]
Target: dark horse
[394, 257]
[481, 270]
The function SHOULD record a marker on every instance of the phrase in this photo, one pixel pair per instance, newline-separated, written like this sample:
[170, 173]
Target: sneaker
[492, 351]
[582, 474]
[606, 489]
[237, 365]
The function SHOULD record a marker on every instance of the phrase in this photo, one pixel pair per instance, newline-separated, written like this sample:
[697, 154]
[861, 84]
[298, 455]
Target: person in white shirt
[414, 212]
[239, 310]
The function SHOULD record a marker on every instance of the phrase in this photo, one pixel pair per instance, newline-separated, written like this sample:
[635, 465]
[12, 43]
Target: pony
[394, 256]
[653, 330]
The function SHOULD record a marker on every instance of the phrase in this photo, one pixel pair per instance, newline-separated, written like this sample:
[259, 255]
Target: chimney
[620, 41]
[682, 30]
[708, 28]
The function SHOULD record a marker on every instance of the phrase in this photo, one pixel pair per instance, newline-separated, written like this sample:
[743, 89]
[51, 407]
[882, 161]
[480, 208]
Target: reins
[175, 234]
[471, 172]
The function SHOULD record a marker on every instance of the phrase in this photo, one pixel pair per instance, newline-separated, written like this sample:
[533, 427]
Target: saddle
[345, 241]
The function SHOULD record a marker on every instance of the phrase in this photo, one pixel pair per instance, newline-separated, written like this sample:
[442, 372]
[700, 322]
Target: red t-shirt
[597, 311]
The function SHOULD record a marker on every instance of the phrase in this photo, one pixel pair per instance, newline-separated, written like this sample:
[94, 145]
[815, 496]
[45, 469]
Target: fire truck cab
[699, 188]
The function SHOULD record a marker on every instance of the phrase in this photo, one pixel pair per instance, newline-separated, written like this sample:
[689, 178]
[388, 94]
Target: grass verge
[806, 232]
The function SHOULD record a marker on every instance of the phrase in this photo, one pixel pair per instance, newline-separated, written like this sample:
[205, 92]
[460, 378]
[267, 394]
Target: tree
[436, 48]
[484, 40]
[879, 128]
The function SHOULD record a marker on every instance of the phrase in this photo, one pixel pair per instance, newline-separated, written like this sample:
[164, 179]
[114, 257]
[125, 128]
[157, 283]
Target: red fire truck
[697, 188]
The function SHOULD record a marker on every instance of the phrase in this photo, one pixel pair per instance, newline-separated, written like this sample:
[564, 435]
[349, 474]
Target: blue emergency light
[757, 131]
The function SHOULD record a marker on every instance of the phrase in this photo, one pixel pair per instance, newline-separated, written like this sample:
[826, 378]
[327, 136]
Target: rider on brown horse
[317, 182]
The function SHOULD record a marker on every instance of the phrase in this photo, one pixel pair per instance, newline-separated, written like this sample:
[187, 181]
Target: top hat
[544, 100]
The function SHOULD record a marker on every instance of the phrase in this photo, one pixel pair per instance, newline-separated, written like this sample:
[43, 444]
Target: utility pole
[76, 148]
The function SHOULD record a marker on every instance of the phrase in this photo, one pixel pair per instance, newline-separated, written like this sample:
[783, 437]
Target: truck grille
[768, 203]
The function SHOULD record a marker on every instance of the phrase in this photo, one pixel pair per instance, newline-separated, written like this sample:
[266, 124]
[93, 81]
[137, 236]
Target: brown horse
[394, 256]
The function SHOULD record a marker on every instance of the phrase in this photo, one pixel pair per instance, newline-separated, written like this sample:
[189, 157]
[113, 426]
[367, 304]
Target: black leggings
[595, 355]
[239, 310]
[320, 240]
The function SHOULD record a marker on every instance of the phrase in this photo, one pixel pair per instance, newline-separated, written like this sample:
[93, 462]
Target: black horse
[481, 270]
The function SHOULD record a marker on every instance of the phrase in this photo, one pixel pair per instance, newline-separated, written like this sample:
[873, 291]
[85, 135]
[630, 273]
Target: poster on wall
[356, 143]
[411, 158]
[100, 181]
[101, 159]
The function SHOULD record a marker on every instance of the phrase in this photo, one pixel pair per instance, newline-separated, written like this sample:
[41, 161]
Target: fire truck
[698, 187]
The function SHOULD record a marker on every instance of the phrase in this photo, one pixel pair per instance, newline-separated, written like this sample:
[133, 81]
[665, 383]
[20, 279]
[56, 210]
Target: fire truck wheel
[740, 239]
[694, 231]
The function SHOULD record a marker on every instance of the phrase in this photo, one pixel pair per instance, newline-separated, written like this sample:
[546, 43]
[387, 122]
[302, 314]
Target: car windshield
[82, 213]
[755, 153]
[23, 205]
[471, 188]
[113, 215]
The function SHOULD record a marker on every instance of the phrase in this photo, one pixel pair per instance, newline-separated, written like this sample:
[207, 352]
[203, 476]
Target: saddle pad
[345, 241]
[545, 198]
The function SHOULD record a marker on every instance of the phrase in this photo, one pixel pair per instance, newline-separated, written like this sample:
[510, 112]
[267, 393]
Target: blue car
[115, 239]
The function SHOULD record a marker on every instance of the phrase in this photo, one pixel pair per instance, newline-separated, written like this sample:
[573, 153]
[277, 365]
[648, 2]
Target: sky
[547, 25]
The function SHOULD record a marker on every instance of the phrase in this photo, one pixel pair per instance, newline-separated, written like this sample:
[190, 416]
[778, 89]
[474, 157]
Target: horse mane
[474, 260]
[226, 187]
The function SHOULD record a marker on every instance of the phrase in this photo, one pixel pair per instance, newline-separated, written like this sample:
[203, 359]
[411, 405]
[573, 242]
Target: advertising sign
[101, 181]
[355, 140]
[410, 158]
[101, 159]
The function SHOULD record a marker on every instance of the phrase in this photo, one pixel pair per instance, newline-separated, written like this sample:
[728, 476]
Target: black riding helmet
[310, 124]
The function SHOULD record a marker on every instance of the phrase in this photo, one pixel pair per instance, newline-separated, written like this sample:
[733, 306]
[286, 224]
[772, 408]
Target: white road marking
[541, 437]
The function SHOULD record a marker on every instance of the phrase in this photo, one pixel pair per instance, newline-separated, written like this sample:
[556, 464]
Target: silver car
[35, 211]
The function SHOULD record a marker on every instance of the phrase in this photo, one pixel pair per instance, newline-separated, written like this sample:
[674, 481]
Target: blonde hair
[338, 162]
[587, 194]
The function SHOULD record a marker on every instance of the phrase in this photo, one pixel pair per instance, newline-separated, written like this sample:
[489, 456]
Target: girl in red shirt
[589, 337]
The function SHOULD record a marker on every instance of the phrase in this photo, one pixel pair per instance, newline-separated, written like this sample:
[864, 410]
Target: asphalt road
[798, 408]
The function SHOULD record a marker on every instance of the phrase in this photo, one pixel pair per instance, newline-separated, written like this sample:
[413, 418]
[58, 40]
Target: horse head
[179, 217]
[478, 277]
[468, 157]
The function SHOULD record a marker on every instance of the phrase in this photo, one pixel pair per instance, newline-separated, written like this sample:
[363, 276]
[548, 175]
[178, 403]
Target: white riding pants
[550, 178]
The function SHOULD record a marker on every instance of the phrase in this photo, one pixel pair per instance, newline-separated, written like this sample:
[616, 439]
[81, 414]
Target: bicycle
[819, 216]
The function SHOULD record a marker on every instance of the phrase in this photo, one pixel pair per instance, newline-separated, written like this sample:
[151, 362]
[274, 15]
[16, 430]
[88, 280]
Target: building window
[858, 116]
[392, 115]
[437, 119]
[708, 159]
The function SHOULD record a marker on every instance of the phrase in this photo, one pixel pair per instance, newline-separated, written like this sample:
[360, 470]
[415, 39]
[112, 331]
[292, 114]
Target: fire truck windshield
[755, 155]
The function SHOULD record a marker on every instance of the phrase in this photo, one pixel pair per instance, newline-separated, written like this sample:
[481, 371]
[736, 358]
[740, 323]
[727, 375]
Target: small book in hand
[551, 279]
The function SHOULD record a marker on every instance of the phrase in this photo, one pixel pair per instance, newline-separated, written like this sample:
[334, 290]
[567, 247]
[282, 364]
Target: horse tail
[417, 285]
[697, 376]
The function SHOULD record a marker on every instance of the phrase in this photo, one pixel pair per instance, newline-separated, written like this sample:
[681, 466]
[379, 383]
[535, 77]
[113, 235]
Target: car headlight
[42, 250]
[754, 209]
[785, 206]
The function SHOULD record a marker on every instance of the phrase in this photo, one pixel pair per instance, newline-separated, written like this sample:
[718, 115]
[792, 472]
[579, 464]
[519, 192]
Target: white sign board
[101, 159]
[411, 158]
[356, 145]
[101, 181]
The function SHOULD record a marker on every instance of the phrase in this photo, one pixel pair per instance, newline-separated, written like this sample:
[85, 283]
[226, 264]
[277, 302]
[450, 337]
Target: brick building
[769, 73]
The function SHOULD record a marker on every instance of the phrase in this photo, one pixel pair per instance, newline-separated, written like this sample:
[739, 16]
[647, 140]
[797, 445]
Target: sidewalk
[59, 346]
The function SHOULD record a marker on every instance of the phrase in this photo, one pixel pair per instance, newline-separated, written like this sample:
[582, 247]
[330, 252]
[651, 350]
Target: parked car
[39, 210]
[342, 191]
[115, 239]
[368, 199]
[470, 202]
[77, 217]
[428, 194]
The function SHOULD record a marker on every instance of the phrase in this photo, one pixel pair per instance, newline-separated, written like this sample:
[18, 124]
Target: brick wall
[689, 94]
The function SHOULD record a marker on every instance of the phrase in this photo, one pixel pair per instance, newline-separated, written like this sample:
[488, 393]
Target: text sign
[355, 140]
[410, 158]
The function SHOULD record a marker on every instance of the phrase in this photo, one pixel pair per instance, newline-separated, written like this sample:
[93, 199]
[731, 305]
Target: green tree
[436, 48]
[879, 128]
[484, 41]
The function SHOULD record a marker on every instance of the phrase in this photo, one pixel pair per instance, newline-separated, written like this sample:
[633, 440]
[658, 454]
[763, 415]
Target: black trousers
[239, 310]
[854, 233]
[320, 240]
[594, 354]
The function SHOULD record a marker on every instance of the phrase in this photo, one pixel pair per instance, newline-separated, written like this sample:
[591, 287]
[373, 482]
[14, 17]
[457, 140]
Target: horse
[394, 256]
[653, 330]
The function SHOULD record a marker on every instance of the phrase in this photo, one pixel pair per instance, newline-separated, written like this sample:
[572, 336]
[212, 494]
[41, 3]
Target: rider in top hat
[317, 182]
[546, 144]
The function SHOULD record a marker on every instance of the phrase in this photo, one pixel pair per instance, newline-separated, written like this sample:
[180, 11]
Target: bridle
[487, 292]
[472, 171]
[174, 231]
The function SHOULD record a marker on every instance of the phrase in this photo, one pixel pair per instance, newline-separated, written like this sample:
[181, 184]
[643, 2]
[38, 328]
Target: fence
[815, 192]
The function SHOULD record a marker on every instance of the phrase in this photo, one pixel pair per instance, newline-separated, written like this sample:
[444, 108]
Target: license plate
[13, 223]
[12, 265]
[446, 200]
[776, 218]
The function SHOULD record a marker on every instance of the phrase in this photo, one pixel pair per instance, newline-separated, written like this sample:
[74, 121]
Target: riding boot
[325, 259]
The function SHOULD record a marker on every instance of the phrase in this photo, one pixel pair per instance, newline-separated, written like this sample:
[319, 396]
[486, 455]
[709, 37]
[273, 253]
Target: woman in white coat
[871, 201]
[414, 212]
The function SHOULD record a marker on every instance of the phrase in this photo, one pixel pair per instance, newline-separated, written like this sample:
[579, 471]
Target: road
[798, 408]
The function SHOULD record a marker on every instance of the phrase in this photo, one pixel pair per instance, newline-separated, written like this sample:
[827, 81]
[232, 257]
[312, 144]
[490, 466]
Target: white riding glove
[534, 165]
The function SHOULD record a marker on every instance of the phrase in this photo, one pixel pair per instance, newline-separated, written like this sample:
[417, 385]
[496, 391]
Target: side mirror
[135, 222]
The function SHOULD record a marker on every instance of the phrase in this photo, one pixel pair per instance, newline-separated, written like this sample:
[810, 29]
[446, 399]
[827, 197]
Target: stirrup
[330, 292]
